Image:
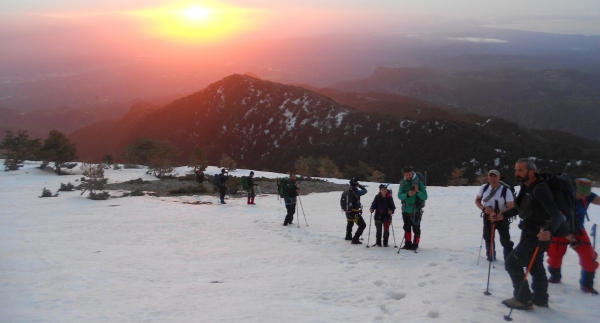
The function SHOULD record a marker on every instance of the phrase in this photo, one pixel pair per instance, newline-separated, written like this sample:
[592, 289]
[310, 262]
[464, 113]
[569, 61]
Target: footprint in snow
[395, 295]
[379, 283]
[425, 275]
[433, 264]
[433, 313]
[384, 309]
[422, 284]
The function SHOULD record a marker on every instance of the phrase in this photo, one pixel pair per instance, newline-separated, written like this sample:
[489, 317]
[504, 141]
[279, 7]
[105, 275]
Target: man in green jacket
[412, 193]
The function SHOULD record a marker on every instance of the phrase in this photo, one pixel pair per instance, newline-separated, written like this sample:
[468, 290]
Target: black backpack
[563, 189]
[347, 199]
[217, 181]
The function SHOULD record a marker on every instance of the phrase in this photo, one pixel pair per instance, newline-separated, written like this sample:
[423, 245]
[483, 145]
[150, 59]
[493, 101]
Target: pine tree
[58, 149]
[227, 162]
[19, 148]
[198, 159]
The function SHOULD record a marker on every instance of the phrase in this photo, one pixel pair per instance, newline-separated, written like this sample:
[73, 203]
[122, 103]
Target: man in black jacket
[291, 193]
[251, 193]
[540, 218]
[355, 213]
[223, 184]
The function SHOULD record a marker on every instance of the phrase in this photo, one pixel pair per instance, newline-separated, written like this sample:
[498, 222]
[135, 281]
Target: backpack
[563, 189]
[217, 181]
[281, 186]
[421, 178]
[347, 199]
[245, 186]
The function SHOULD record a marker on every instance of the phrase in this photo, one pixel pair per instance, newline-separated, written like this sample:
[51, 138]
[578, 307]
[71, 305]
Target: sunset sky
[55, 29]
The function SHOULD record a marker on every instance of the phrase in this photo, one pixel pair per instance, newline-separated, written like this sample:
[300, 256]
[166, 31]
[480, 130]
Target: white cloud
[480, 40]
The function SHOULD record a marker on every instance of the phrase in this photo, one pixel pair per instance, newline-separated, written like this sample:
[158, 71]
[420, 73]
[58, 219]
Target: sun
[193, 23]
[197, 13]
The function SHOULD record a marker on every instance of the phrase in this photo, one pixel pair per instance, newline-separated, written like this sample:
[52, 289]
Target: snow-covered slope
[147, 259]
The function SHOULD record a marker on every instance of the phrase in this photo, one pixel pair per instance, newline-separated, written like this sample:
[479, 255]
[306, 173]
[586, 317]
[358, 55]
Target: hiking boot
[348, 236]
[415, 246]
[385, 245]
[545, 304]
[589, 290]
[285, 224]
[408, 246]
[552, 280]
[356, 242]
[555, 275]
[378, 244]
[514, 303]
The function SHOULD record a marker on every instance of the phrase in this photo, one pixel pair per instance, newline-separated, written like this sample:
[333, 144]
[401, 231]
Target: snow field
[149, 259]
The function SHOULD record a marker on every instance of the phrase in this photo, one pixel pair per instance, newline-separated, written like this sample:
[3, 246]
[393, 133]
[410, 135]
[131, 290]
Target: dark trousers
[503, 232]
[290, 206]
[519, 259]
[223, 190]
[385, 227]
[352, 217]
[414, 224]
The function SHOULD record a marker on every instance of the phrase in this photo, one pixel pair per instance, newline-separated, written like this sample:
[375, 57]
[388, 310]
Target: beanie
[584, 186]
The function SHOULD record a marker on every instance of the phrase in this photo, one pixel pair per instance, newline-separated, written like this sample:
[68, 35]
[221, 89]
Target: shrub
[131, 166]
[66, 188]
[116, 167]
[99, 196]
[137, 193]
[137, 181]
[46, 193]
[189, 190]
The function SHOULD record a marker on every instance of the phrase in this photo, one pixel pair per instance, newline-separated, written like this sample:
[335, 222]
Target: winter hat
[251, 172]
[353, 182]
[584, 186]
[383, 186]
[495, 172]
[223, 170]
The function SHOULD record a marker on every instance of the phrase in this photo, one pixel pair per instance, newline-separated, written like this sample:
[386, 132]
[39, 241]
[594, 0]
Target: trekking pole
[301, 206]
[507, 317]
[369, 236]
[298, 211]
[401, 242]
[487, 291]
[593, 233]
[393, 234]
[480, 245]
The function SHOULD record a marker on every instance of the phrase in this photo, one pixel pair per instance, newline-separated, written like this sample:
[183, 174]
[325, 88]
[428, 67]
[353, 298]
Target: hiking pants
[587, 256]
[414, 224]
[223, 190]
[386, 232]
[290, 206]
[520, 258]
[352, 217]
[251, 193]
[503, 232]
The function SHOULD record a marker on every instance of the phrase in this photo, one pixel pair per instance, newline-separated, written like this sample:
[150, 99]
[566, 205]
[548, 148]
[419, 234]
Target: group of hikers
[543, 223]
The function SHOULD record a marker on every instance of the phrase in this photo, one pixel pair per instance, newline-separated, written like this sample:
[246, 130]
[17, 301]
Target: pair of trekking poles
[369, 235]
[491, 260]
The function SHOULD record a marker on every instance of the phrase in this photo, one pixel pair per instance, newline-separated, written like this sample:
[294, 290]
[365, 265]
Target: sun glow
[195, 23]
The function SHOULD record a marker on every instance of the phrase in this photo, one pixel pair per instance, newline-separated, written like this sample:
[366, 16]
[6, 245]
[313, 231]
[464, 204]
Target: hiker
[580, 241]
[199, 175]
[540, 218]
[412, 192]
[492, 195]
[223, 184]
[251, 193]
[291, 192]
[383, 206]
[355, 213]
